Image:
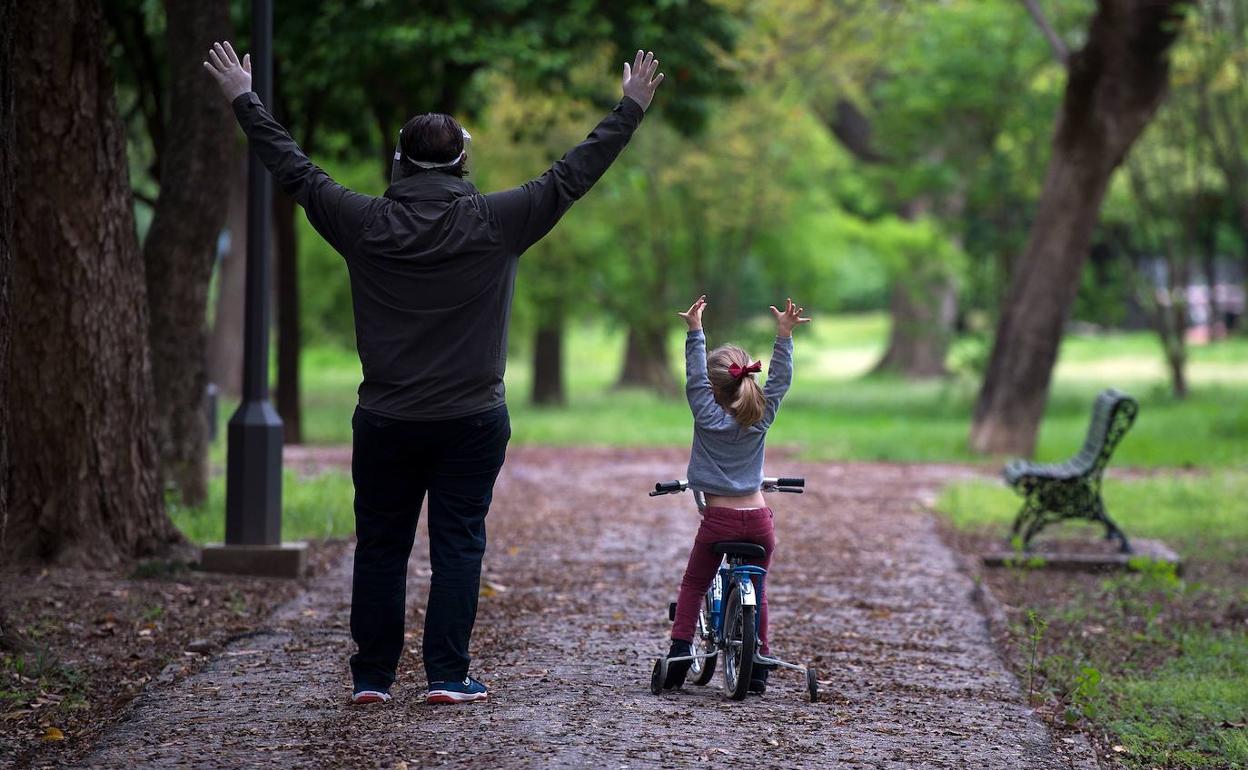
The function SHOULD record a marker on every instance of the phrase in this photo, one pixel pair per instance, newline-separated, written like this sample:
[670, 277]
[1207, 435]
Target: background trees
[860, 156]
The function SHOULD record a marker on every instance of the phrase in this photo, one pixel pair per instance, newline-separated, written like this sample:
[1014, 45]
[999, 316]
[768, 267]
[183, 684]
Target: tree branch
[1060, 51]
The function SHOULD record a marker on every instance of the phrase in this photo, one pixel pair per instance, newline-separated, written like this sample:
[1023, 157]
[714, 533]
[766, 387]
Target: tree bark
[225, 348]
[85, 483]
[181, 244]
[645, 362]
[1116, 81]
[922, 318]
[288, 333]
[8, 14]
[548, 366]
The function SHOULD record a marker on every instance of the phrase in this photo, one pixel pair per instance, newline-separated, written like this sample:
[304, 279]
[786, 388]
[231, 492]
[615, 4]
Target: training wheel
[812, 683]
[658, 676]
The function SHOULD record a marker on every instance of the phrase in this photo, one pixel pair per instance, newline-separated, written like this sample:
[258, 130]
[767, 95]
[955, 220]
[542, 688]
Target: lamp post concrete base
[287, 560]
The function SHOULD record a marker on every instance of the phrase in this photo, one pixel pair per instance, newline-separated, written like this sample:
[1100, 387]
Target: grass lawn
[835, 412]
[1156, 665]
[313, 508]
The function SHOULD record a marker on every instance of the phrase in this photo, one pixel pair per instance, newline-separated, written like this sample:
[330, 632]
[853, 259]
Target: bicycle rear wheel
[740, 640]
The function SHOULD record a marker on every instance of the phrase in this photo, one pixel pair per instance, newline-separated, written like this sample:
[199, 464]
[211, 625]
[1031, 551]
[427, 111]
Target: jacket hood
[430, 186]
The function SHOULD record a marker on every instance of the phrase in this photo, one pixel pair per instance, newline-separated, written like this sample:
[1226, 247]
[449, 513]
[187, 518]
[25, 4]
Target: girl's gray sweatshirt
[727, 459]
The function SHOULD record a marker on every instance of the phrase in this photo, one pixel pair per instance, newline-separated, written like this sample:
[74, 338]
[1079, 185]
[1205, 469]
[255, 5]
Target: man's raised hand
[232, 75]
[693, 316]
[639, 80]
[788, 318]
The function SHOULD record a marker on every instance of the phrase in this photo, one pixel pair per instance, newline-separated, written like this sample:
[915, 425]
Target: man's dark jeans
[395, 462]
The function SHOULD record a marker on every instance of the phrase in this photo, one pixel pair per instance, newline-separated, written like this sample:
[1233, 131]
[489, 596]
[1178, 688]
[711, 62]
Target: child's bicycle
[728, 618]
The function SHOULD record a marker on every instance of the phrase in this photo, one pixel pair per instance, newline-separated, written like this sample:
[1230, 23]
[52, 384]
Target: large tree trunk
[548, 366]
[85, 483]
[1115, 84]
[288, 336]
[8, 14]
[645, 362]
[225, 347]
[922, 318]
[181, 243]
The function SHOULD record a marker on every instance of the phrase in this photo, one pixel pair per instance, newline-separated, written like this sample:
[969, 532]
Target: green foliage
[1086, 695]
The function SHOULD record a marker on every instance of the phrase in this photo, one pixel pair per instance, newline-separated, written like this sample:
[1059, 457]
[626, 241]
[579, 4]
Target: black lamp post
[253, 478]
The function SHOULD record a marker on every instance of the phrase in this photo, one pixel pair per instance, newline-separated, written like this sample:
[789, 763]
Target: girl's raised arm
[697, 384]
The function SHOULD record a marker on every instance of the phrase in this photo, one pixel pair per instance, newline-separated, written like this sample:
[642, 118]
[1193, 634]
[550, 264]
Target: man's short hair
[433, 137]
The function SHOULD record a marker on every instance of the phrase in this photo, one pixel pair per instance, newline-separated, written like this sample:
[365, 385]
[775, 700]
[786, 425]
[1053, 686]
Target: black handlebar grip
[664, 487]
[796, 482]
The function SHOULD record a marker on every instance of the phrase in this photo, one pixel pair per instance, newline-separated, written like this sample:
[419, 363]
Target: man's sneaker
[758, 678]
[676, 671]
[457, 692]
[360, 697]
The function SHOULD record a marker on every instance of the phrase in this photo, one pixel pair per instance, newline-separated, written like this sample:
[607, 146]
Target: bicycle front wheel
[739, 642]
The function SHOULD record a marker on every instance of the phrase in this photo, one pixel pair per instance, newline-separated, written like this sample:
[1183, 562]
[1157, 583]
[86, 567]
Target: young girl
[731, 415]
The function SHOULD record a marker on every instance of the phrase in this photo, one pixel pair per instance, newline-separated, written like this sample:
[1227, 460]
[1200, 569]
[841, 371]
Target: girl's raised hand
[693, 316]
[788, 318]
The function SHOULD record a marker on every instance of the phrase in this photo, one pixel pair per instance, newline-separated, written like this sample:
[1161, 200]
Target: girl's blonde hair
[742, 398]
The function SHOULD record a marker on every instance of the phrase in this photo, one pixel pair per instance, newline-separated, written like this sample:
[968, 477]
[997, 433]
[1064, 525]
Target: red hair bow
[738, 371]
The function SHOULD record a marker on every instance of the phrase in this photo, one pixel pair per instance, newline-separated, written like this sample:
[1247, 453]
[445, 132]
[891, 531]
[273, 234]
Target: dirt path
[862, 585]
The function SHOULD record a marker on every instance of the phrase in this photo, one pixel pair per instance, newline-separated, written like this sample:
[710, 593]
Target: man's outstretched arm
[337, 213]
[528, 212]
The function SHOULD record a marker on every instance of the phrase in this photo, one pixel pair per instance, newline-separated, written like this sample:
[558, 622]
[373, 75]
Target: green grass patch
[313, 508]
[834, 411]
[1183, 714]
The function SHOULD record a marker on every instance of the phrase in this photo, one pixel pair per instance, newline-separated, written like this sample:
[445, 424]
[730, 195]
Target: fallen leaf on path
[490, 589]
[53, 734]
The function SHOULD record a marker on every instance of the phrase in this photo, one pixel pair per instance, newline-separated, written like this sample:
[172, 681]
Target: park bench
[1072, 490]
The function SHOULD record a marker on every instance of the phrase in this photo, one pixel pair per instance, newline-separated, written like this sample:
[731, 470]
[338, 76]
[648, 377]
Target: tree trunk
[225, 347]
[922, 318]
[85, 463]
[8, 14]
[548, 366]
[288, 342]
[1114, 86]
[181, 244]
[645, 362]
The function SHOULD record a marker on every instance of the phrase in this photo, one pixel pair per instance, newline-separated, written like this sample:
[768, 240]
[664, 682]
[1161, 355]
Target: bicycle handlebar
[793, 485]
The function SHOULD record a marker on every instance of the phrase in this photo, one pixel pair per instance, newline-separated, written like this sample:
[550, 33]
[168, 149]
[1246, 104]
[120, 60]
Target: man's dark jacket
[433, 263]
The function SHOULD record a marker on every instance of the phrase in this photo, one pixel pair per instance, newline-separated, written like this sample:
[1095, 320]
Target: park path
[580, 569]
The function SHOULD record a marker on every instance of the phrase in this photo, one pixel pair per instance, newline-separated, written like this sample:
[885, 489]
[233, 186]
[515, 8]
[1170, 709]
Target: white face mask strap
[426, 164]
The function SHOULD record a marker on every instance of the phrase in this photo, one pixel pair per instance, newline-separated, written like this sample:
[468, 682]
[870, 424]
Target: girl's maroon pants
[754, 525]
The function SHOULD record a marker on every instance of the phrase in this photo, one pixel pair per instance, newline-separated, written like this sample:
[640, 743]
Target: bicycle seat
[748, 550]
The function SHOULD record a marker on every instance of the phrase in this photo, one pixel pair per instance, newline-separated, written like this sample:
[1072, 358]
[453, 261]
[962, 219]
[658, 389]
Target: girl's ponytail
[747, 408]
[738, 393]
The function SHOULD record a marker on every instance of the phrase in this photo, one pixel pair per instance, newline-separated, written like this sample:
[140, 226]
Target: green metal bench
[1072, 490]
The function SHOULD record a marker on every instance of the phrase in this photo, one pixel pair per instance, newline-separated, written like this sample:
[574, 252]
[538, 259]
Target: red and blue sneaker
[466, 691]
